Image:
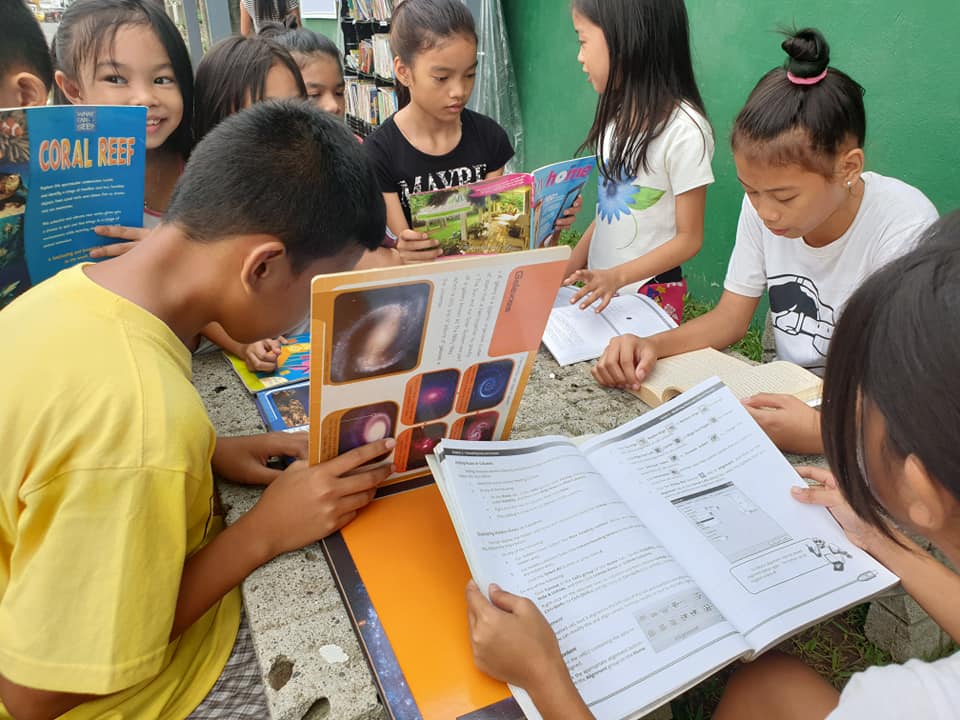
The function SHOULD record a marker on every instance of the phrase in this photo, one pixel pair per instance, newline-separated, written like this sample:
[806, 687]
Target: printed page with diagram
[700, 473]
[537, 518]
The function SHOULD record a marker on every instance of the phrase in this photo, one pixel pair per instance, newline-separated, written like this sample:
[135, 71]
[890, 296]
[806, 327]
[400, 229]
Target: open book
[659, 551]
[674, 375]
[574, 335]
[63, 171]
[426, 351]
[502, 214]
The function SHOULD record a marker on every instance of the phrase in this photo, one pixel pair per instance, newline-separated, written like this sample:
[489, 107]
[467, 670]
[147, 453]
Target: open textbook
[678, 373]
[428, 351]
[512, 212]
[659, 551]
[63, 171]
[574, 335]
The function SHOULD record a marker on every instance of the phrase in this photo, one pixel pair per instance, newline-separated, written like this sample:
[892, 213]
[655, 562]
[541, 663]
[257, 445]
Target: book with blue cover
[293, 365]
[285, 408]
[63, 171]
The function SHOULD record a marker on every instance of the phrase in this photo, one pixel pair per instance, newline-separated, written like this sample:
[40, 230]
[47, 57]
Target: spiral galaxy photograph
[478, 427]
[378, 332]
[423, 440]
[437, 392]
[490, 384]
[367, 424]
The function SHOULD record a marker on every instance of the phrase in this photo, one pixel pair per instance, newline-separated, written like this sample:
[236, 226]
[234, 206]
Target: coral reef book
[63, 171]
[427, 351]
[293, 365]
[659, 551]
[503, 214]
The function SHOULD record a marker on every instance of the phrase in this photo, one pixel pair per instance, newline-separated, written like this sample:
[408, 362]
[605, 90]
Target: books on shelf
[293, 365]
[502, 214]
[367, 101]
[382, 56]
[427, 351]
[678, 373]
[63, 171]
[659, 551]
[370, 9]
[573, 335]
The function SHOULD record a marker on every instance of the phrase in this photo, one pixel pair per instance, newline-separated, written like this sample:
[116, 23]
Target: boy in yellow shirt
[26, 71]
[117, 594]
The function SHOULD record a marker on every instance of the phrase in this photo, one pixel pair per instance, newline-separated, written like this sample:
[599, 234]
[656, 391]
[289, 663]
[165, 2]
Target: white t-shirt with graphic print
[809, 286]
[637, 215]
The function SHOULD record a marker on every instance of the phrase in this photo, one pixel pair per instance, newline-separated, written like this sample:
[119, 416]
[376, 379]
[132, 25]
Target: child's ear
[31, 90]
[927, 506]
[70, 88]
[264, 263]
[850, 166]
[401, 71]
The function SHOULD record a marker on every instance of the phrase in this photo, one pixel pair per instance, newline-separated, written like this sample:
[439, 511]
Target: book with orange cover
[402, 576]
[428, 351]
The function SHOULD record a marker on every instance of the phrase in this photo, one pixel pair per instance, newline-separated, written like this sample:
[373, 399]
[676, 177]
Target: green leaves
[645, 197]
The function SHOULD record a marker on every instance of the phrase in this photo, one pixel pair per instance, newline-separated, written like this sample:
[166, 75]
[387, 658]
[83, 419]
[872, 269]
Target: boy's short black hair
[286, 169]
[23, 48]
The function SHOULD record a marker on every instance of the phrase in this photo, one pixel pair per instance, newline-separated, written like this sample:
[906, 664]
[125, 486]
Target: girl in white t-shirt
[654, 147]
[813, 226]
[892, 425]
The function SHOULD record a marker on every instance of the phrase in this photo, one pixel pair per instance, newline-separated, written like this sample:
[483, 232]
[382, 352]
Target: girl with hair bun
[813, 226]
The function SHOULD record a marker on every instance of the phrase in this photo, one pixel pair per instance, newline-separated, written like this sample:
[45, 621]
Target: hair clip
[797, 80]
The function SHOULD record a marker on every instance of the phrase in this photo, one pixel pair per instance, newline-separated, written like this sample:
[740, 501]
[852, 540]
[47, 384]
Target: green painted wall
[330, 28]
[904, 54]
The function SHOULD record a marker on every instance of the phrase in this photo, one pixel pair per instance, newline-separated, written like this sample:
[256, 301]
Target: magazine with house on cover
[427, 351]
[509, 213]
[659, 551]
[63, 171]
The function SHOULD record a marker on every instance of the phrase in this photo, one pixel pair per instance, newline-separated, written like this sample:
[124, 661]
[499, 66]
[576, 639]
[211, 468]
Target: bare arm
[578, 258]
[24, 703]
[628, 359]
[246, 22]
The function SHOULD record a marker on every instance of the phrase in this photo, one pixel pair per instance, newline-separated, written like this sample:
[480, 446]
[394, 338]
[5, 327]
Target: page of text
[702, 475]
[541, 522]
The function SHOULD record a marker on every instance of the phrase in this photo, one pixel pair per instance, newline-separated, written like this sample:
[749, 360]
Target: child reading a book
[129, 52]
[813, 226]
[885, 467]
[434, 142]
[318, 58]
[118, 596]
[26, 73]
[654, 147]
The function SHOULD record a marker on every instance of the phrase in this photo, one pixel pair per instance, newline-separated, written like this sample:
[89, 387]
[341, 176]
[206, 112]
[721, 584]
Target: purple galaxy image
[437, 392]
[480, 426]
[490, 384]
[367, 424]
[378, 332]
[423, 440]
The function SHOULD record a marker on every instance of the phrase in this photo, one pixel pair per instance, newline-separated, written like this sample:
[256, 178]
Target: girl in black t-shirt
[433, 142]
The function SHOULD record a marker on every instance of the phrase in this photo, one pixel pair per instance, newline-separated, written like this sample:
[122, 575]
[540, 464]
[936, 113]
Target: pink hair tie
[796, 80]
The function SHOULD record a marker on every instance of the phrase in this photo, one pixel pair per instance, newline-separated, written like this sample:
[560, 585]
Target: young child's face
[441, 79]
[594, 55]
[321, 75]
[137, 72]
[790, 200]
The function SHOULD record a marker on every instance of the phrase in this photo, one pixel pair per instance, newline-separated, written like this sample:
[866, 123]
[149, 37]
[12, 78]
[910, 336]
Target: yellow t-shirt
[105, 489]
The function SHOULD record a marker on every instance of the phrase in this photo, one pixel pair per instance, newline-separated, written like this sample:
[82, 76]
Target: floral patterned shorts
[667, 295]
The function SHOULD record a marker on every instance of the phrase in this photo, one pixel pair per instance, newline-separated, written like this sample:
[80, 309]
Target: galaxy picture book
[503, 214]
[428, 351]
[63, 171]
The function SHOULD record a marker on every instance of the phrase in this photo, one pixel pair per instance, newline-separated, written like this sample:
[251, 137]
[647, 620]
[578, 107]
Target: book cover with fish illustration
[63, 171]
[428, 351]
